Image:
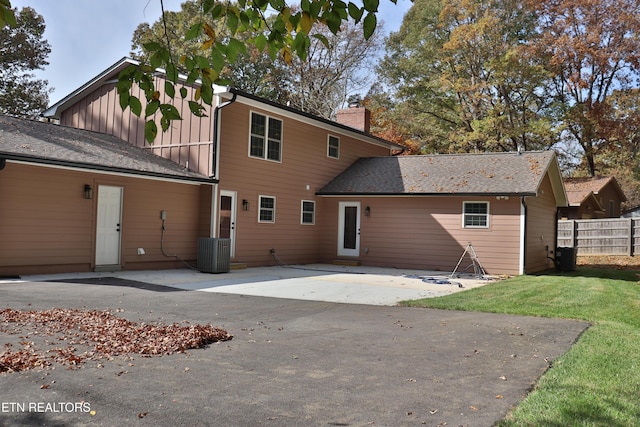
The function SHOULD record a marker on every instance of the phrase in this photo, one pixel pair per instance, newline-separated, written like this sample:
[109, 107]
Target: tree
[23, 49]
[332, 69]
[591, 49]
[459, 65]
[318, 84]
[619, 126]
[285, 34]
[252, 71]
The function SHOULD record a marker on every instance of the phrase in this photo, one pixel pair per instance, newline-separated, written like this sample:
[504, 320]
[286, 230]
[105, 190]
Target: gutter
[66, 164]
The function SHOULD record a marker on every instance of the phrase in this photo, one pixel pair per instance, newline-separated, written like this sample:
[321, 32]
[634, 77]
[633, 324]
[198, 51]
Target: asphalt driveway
[291, 362]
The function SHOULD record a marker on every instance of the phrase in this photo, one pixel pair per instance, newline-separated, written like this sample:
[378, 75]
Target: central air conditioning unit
[214, 255]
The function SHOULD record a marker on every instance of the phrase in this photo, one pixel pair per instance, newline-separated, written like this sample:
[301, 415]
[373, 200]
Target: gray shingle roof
[46, 143]
[444, 174]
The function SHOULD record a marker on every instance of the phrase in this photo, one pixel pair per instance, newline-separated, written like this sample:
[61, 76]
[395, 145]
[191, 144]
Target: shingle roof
[442, 174]
[579, 189]
[46, 143]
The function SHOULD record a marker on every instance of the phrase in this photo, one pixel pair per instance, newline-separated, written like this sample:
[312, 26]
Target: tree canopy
[500, 75]
[318, 84]
[22, 50]
[270, 26]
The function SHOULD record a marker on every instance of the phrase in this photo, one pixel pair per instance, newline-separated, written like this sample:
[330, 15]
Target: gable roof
[450, 174]
[43, 143]
[581, 189]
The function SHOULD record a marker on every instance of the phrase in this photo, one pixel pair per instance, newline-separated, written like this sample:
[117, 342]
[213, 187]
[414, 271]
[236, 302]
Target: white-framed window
[267, 210]
[308, 212]
[333, 147]
[475, 214]
[265, 139]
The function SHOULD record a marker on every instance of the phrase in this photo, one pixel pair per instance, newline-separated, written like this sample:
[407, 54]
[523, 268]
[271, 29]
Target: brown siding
[48, 226]
[427, 233]
[188, 141]
[607, 195]
[540, 229]
[304, 162]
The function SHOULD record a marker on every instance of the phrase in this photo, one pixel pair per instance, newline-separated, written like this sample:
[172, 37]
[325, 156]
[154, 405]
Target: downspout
[216, 136]
[214, 170]
[523, 243]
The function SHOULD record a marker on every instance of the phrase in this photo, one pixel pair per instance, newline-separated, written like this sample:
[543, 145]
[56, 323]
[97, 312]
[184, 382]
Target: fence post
[630, 246]
[574, 234]
[632, 236]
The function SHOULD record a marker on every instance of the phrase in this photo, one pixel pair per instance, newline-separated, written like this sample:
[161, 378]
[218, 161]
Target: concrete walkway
[317, 282]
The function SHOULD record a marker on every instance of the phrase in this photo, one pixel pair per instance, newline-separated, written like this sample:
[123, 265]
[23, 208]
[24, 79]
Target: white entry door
[349, 229]
[227, 227]
[108, 225]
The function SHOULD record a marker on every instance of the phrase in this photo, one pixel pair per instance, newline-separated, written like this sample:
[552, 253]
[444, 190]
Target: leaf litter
[78, 336]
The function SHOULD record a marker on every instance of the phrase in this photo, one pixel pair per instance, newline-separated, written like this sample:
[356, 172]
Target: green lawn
[596, 383]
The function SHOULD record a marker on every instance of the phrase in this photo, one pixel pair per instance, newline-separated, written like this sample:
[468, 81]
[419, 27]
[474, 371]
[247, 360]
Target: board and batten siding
[427, 233]
[188, 142]
[540, 229]
[61, 237]
[304, 169]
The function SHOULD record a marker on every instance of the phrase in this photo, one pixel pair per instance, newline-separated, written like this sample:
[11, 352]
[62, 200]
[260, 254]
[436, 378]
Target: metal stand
[475, 262]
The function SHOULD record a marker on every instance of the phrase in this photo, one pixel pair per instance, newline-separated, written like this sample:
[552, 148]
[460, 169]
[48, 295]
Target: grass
[597, 382]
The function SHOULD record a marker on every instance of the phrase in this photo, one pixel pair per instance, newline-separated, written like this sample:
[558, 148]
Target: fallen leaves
[103, 334]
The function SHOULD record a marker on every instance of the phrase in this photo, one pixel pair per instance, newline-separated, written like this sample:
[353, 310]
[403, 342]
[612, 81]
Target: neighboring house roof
[579, 190]
[450, 174]
[107, 76]
[45, 143]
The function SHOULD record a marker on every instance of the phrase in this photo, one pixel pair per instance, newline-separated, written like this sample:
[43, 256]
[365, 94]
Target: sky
[88, 36]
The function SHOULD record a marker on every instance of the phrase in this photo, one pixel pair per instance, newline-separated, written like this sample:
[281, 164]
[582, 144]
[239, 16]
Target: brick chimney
[356, 116]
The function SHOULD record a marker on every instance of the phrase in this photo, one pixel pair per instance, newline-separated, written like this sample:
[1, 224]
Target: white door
[227, 227]
[108, 225]
[349, 229]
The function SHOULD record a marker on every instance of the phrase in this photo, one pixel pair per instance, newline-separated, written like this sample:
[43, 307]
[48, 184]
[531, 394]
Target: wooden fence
[610, 236]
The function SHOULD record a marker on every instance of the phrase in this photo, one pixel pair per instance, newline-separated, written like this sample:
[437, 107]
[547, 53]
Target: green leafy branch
[287, 33]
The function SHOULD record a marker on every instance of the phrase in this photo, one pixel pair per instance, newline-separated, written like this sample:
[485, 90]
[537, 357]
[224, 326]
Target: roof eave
[304, 116]
[439, 194]
[56, 109]
[102, 168]
[557, 183]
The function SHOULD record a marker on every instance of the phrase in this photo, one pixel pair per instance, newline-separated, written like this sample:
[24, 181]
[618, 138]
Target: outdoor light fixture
[367, 211]
[245, 205]
[88, 191]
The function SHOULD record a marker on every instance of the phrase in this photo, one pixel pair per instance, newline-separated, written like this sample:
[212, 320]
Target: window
[333, 147]
[265, 141]
[267, 209]
[476, 215]
[308, 215]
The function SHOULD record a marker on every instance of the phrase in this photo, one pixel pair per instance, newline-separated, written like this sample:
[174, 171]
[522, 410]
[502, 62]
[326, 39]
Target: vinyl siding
[427, 233]
[48, 226]
[540, 229]
[304, 162]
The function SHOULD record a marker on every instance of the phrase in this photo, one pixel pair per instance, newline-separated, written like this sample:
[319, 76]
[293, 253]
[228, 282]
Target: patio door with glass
[349, 229]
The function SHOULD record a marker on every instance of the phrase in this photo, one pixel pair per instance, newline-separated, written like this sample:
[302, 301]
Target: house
[75, 200]
[425, 210]
[592, 198]
[287, 186]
